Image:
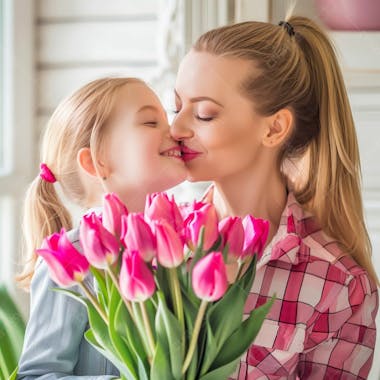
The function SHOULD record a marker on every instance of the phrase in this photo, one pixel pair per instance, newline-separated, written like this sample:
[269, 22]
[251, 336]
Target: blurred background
[48, 48]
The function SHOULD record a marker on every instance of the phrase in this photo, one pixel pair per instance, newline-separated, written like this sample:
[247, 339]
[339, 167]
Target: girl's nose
[180, 130]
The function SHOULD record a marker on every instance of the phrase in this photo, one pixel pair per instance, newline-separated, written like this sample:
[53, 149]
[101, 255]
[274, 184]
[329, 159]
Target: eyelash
[151, 123]
[205, 119]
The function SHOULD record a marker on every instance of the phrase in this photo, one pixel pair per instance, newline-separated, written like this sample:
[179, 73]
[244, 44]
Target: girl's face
[221, 134]
[141, 156]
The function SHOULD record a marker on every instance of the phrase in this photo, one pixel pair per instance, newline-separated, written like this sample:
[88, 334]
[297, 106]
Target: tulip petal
[209, 277]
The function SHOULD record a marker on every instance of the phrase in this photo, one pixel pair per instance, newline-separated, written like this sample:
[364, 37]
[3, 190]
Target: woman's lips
[189, 154]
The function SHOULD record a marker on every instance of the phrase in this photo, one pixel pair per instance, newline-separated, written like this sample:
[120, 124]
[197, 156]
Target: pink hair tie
[46, 174]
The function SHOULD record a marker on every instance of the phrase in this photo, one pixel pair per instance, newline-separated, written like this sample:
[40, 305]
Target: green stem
[148, 328]
[140, 328]
[194, 338]
[116, 283]
[178, 304]
[94, 301]
[177, 296]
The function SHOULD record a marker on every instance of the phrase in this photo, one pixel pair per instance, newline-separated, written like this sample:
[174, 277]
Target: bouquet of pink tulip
[164, 306]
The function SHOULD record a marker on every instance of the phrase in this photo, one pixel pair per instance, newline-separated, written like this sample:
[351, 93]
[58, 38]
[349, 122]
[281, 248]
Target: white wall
[80, 40]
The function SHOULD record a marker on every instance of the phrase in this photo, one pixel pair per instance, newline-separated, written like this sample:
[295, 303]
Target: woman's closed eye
[204, 118]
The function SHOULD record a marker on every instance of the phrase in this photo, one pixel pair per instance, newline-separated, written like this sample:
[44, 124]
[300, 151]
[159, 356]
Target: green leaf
[217, 244]
[160, 366]
[121, 347]
[243, 337]
[246, 280]
[101, 282]
[8, 361]
[226, 315]
[190, 316]
[162, 277]
[13, 375]
[225, 252]
[221, 372]
[211, 350]
[169, 327]
[220, 315]
[126, 328]
[90, 337]
[100, 333]
[12, 328]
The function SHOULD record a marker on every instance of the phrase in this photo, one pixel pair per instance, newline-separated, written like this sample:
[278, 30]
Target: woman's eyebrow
[200, 99]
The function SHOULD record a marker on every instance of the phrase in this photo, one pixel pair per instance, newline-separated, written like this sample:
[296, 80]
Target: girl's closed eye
[151, 123]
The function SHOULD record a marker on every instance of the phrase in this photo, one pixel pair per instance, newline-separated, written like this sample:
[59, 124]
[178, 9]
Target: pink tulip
[113, 210]
[67, 265]
[159, 206]
[206, 217]
[100, 247]
[232, 232]
[187, 208]
[139, 236]
[169, 245]
[209, 277]
[256, 234]
[136, 280]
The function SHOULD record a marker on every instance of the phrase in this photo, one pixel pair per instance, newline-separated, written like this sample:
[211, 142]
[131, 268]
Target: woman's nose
[180, 129]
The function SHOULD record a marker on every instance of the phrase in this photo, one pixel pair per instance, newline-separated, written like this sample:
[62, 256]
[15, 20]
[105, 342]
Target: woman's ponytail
[333, 188]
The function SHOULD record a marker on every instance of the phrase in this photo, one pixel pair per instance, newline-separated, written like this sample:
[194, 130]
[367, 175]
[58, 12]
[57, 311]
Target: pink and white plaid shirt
[322, 323]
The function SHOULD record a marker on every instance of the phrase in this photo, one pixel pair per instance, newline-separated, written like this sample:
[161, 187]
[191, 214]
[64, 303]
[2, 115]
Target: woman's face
[220, 132]
[140, 154]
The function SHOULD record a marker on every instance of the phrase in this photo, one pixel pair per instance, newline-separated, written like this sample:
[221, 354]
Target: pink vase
[350, 14]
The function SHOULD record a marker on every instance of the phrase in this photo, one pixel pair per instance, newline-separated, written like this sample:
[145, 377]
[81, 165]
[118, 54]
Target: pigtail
[43, 215]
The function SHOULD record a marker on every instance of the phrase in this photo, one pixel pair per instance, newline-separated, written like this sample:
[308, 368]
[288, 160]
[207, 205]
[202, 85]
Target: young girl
[252, 98]
[112, 135]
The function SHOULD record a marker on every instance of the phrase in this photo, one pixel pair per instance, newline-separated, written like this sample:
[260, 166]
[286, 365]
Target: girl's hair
[79, 121]
[300, 71]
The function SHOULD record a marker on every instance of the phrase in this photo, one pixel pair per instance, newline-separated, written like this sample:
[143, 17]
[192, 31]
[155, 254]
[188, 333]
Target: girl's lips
[172, 152]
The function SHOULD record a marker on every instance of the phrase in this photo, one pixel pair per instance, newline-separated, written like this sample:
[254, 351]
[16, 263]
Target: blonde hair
[301, 72]
[79, 121]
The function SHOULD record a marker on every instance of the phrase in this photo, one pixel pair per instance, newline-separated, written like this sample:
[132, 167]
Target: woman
[251, 99]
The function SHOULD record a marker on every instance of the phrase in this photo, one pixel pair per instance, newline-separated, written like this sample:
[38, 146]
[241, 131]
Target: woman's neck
[262, 195]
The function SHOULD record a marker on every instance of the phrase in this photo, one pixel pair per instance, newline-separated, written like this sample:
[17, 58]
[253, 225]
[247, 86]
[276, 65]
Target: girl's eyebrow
[200, 99]
[147, 107]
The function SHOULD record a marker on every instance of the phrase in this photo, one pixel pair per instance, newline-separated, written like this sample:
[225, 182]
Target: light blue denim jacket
[54, 346]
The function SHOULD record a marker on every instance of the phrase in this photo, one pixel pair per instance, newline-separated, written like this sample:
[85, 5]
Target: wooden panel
[54, 85]
[353, 46]
[367, 126]
[96, 42]
[248, 10]
[57, 9]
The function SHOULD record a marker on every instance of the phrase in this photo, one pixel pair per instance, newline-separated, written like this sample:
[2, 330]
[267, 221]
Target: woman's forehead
[207, 73]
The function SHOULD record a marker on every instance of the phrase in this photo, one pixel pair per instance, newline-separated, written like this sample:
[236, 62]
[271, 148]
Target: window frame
[18, 129]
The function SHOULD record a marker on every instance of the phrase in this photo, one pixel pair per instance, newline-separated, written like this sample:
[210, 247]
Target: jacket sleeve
[53, 334]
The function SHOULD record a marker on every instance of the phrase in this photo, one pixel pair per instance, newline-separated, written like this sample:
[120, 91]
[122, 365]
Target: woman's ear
[279, 128]
[84, 160]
